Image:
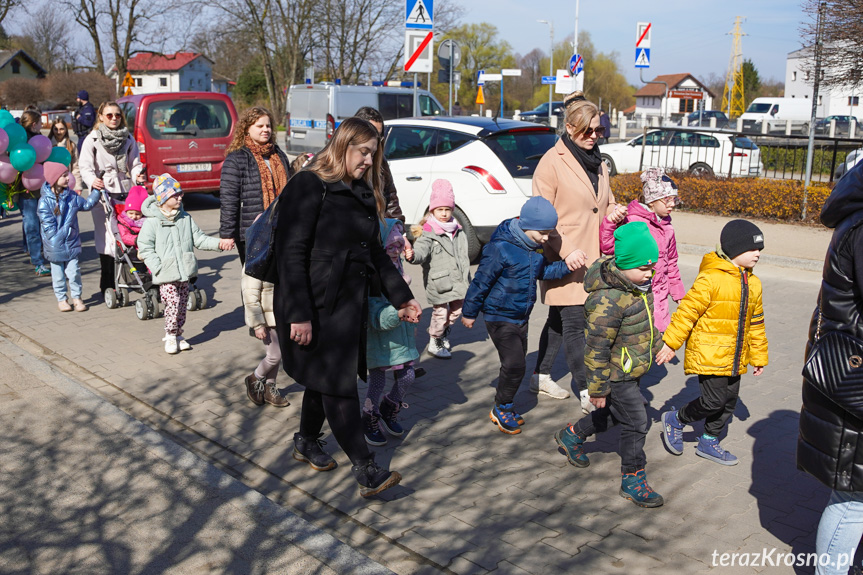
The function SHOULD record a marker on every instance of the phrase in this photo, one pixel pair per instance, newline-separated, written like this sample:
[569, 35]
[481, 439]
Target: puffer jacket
[721, 319]
[129, 228]
[830, 443]
[61, 241]
[257, 302]
[241, 193]
[620, 338]
[168, 247]
[504, 286]
[666, 280]
[446, 267]
[390, 341]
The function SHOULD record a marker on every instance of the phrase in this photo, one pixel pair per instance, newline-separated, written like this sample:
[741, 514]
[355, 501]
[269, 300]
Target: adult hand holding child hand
[618, 215]
[413, 311]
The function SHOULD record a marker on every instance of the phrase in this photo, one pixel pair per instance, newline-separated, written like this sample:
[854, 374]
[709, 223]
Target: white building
[799, 79]
[180, 72]
[680, 95]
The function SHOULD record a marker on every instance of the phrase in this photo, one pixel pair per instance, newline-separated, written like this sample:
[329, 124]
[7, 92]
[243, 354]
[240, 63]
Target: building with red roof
[672, 94]
[178, 72]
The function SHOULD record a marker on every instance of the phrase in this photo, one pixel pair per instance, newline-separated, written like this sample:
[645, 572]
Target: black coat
[241, 193]
[328, 248]
[393, 208]
[830, 444]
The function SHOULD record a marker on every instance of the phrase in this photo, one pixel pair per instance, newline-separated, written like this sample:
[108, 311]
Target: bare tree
[841, 37]
[52, 50]
[87, 14]
[7, 6]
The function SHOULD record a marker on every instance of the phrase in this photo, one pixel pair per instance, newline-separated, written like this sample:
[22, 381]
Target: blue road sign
[576, 64]
[479, 81]
[642, 57]
[419, 14]
[549, 79]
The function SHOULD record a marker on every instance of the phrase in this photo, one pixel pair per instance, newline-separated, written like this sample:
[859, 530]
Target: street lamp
[550, 62]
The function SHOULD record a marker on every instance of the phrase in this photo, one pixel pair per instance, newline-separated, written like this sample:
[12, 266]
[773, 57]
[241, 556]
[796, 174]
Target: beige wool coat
[560, 179]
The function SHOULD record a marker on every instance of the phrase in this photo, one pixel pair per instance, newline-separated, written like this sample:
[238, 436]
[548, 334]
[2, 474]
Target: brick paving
[473, 500]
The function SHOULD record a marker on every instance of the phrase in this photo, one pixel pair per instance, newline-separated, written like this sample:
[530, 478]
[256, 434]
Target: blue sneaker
[389, 416]
[372, 429]
[633, 486]
[573, 446]
[504, 417]
[709, 448]
[519, 419]
[672, 432]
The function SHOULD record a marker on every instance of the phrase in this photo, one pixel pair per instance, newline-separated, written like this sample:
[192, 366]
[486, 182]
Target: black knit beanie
[740, 236]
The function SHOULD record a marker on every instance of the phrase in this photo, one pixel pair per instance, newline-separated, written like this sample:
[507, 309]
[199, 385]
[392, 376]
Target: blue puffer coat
[61, 241]
[504, 286]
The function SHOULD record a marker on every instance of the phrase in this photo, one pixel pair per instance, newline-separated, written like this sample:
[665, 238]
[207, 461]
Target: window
[163, 82]
[653, 138]
[686, 106]
[178, 119]
[130, 110]
[406, 142]
[683, 139]
[705, 141]
[853, 100]
[806, 76]
[394, 106]
[820, 100]
[520, 151]
[138, 82]
[429, 107]
[448, 141]
[16, 66]
[794, 76]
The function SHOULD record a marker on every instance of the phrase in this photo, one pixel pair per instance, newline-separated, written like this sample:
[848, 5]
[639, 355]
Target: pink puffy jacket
[667, 279]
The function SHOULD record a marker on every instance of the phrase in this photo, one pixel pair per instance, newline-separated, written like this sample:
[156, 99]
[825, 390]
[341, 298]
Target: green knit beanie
[634, 246]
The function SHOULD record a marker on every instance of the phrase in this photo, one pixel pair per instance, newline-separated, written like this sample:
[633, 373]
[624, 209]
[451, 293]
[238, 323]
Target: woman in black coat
[830, 444]
[254, 172]
[328, 250]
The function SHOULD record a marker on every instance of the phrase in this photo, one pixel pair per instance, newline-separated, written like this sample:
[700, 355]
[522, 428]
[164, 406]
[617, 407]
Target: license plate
[185, 168]
[298, 135]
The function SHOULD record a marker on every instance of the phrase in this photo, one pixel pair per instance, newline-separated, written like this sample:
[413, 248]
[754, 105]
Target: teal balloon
[17, 135]
[60, 155]
[22, 157]
[6, 118]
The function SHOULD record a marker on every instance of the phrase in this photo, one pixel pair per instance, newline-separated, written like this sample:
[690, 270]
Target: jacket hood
[718, 261]
[637, 209]
[151, 209]
[604, 274]
[46, 190]
[846, 198]
[387, 226]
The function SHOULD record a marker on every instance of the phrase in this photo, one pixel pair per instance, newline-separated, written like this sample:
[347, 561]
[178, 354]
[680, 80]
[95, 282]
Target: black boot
[372, 478]
[389, 411]
[309, 450]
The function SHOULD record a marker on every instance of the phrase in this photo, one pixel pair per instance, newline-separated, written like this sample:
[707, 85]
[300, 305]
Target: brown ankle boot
[272, 395]
[255, 389]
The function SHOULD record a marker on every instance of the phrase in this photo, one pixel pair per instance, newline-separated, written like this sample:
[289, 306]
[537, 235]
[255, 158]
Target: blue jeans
[839, 532]
[63, 271]
[31, 229]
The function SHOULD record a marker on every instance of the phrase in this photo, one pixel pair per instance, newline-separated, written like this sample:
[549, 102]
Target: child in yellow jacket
[721, 319]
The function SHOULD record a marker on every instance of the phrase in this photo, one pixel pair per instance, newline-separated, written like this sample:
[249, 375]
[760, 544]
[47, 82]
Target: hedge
[753, 197]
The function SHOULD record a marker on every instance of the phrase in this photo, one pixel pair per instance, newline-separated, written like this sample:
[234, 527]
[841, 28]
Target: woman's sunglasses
[111, 116]
[599, 131]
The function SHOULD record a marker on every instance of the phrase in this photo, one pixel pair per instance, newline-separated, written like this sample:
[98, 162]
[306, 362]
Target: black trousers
[717, 402]
[343, 415]
[622, 406]
[106, 279]
[241, 249]
[565, 325]
[510, 340]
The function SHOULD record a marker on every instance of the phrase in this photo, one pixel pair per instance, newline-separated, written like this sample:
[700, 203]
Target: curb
[779, 261]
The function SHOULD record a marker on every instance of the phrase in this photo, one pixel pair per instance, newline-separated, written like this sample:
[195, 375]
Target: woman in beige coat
[574, 179]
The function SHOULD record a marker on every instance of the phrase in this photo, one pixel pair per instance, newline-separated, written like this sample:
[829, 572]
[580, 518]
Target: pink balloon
[4, 141]
[72, 181]
[42, 145]
[7, 172]
[33, 178]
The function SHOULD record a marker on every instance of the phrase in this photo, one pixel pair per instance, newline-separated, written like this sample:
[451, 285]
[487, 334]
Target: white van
[314, 111]
[776, 111]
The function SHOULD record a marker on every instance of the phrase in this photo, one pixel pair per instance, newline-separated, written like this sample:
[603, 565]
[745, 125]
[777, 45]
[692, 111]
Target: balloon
[33, 178]
[4, 140]
[72, 181]
[7, 172]
[6, 118]
[42, 146]
[60, 155]
[17, 134]
[22, 157]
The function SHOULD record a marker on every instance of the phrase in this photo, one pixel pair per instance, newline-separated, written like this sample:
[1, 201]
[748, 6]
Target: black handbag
[835, 367]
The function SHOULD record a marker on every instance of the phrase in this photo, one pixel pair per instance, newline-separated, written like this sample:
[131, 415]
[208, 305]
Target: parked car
[853, 158]
[540, 113]
[183, 134]
[702, 153]
[843, 124]
[489, 163]
[702, 119]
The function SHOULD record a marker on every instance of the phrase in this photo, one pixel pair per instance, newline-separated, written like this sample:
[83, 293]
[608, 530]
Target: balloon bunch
[21, 161]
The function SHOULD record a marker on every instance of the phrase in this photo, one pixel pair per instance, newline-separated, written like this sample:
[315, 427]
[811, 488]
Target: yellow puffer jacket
[721, 319]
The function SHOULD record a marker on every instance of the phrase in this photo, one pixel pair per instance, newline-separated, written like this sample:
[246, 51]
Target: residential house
[678, 94]
[799, 79]
[179, 72]
[19, 64]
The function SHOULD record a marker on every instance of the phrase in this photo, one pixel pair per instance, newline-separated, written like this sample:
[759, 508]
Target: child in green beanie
[620, 343]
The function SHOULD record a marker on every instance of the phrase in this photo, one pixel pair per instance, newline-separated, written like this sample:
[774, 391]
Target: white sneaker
[183, 344]
[437, 349]
[542, 383]
[586, 406]
[171, 344]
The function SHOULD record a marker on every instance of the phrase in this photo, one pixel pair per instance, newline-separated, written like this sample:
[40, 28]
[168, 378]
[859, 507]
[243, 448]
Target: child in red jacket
[130, 220]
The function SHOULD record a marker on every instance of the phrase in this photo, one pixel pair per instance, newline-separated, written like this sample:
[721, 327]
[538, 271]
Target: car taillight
[491, 184]
[738, 154]
[331, 126]
[288, 125]
[142, 152]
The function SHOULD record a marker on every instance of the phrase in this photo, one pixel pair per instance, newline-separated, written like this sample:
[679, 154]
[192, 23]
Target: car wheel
[701, 169]
[609, 163]
[473, 246]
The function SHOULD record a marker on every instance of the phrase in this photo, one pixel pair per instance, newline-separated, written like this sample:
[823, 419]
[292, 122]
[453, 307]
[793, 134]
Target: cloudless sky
[688, 36]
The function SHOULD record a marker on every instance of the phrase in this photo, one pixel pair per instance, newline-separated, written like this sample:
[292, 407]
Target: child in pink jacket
[130, 220]
[660, 199]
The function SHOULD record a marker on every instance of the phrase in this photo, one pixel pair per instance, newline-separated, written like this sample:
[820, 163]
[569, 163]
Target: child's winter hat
[136, 197]
[537, 214]
[740, 236]
[634, 246]
[442, 195]
[657, 185]
[164, 187]
[52, 171]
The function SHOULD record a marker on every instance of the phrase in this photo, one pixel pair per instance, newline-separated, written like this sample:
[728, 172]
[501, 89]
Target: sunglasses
[111, 116]
[599, 131]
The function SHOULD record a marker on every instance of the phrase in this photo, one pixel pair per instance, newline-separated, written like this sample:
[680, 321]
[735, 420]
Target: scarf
[170, 215]
[519, 234]
[115, 142]
[590, 160]
[273, 178]
[440, 227]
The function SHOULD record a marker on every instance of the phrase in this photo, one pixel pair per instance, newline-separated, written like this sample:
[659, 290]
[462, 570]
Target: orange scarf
[273, 178]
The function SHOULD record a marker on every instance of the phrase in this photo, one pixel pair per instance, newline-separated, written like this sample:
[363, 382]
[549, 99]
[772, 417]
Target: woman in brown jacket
[574, 179]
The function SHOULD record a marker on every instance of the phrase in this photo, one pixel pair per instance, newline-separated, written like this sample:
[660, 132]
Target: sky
[692, 37]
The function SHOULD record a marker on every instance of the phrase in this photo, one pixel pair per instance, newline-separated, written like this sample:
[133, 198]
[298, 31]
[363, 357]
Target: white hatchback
[490, 164]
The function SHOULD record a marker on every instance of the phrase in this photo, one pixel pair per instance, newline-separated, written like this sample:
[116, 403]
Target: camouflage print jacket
[620, 338]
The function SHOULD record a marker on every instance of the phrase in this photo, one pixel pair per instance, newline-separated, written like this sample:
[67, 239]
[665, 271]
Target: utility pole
[810, 150]
[550, 62]
[732, 95]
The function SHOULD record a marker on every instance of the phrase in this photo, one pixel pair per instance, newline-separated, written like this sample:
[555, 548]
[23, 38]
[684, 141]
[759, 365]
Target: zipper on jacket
[741, 321]
[650, 321]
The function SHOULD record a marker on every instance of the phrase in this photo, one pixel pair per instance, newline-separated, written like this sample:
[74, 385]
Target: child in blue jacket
[58, 209]
[504, 290]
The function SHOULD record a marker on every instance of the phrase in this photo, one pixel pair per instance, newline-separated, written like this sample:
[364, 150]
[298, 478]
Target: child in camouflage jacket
[620, 342]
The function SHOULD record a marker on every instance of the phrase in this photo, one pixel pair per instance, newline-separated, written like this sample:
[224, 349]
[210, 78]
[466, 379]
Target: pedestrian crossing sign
[419, 14]
[642, 57]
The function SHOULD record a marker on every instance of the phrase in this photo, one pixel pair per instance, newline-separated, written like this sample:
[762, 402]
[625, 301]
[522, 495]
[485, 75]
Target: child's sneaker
[171, 344]
[445, 339]
[43, 271]
[633, 486]
[254, 388]
[389, 412]
[672, 432]
[373, 478]
[573, 446]
[586, 406]
[79, 305]
[709, 448]
[64, 306]
[272, 396]
[542, 383]
[504, 418]
[183, 344]
[437, 348]
[372, 430]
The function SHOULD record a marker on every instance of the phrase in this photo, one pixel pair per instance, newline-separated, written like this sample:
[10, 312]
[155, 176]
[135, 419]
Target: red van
[184, 134]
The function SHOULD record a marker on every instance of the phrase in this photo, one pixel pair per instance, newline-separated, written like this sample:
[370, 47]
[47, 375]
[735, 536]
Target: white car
[490, 164]
[702, 153]
[853, 158]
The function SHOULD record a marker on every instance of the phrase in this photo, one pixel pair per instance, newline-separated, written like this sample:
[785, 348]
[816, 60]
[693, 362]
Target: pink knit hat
[442, 195]
[136, 197]
[52, 171]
